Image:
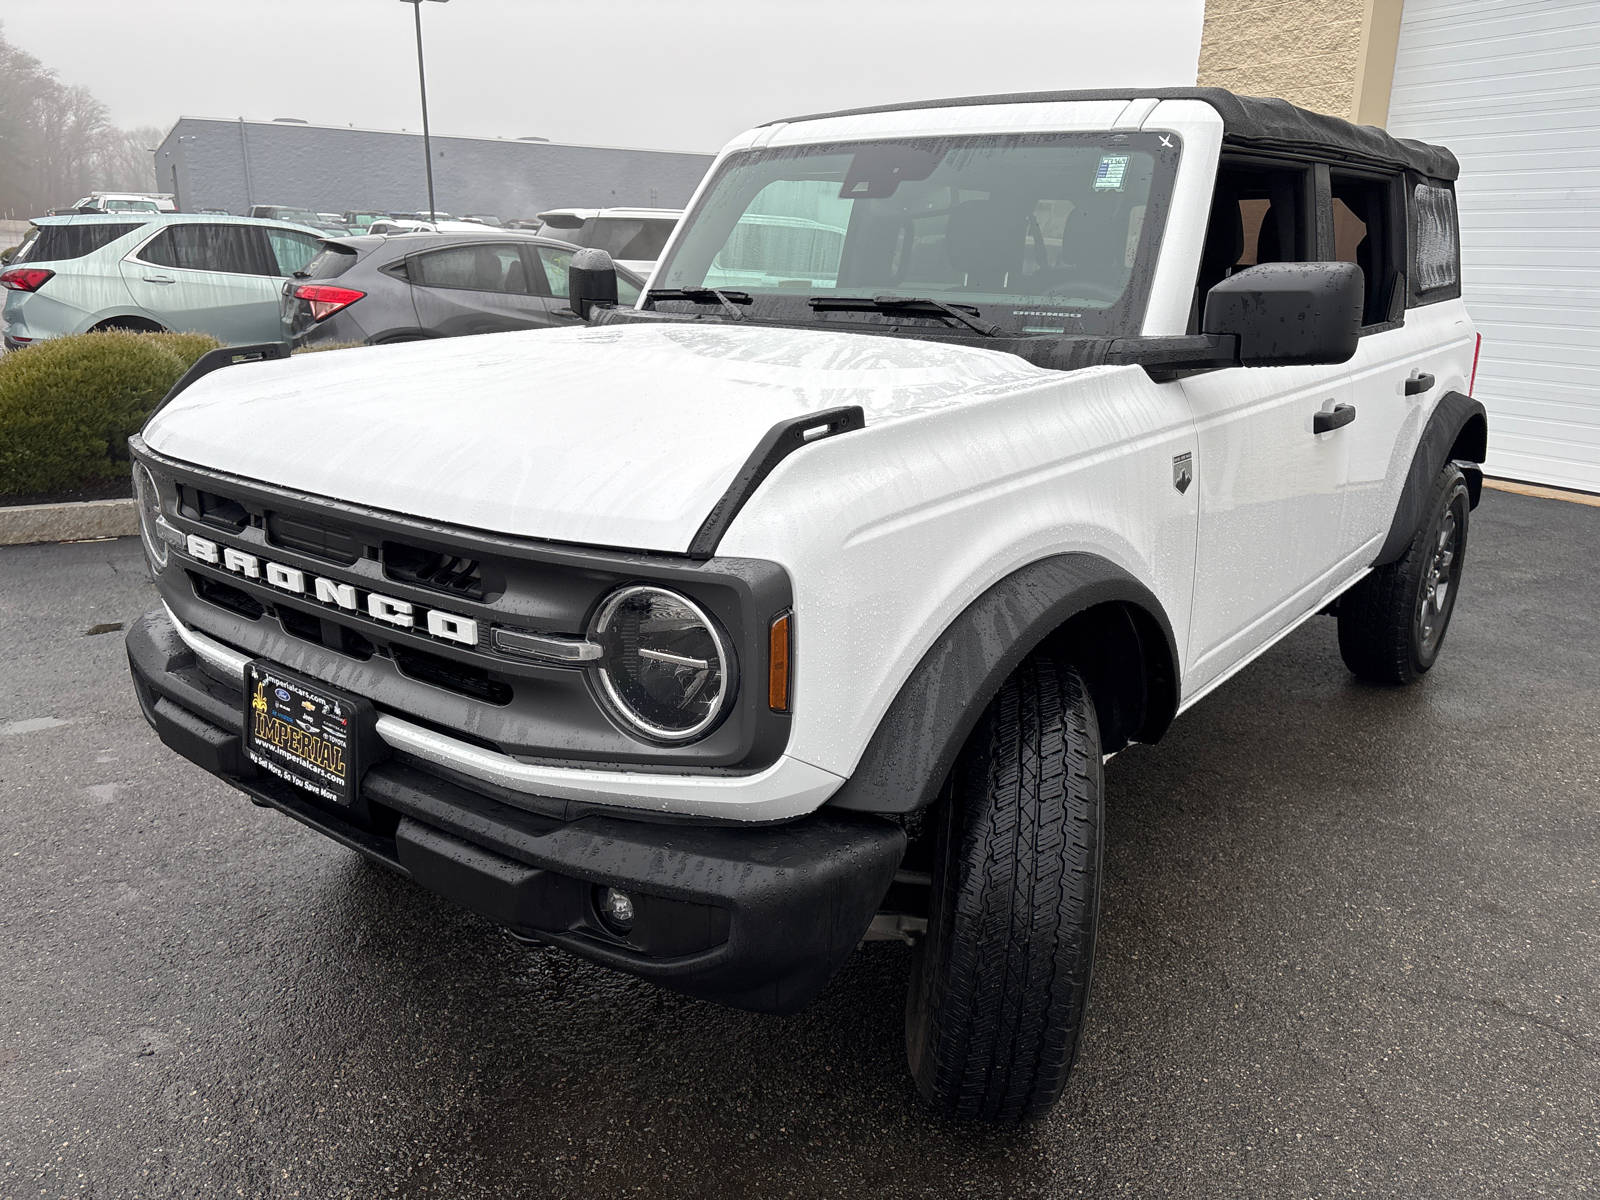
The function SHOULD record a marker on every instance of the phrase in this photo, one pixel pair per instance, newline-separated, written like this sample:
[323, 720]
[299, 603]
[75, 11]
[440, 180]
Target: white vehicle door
[1271, 489]
[1404, 358]
[218, 278]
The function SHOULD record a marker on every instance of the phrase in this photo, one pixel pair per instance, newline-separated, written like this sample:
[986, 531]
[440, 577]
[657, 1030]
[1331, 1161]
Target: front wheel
[1001, 982]
[1392, 623]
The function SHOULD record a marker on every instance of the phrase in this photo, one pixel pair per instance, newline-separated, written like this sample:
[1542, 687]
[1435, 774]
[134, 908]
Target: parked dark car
[290, 213]
[408, 286]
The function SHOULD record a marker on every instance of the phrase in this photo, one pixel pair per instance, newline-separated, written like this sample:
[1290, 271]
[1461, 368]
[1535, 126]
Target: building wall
[1331, 56]
[235, 164]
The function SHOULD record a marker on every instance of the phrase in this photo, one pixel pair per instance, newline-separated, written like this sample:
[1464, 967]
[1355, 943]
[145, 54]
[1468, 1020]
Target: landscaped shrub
[316, 347]
[187, 346]
[68, 405]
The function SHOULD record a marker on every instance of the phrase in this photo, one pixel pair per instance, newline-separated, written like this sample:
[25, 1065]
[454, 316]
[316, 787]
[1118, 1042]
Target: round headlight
[149, 510]
[666, 671]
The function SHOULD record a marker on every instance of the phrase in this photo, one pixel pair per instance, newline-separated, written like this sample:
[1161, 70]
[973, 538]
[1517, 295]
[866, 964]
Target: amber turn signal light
[779, 641]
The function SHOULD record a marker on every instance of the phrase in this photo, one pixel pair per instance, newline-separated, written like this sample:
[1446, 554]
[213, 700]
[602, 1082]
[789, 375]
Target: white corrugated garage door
[1513, 87]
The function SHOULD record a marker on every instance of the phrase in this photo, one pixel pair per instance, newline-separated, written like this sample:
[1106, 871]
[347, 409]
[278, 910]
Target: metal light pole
[422, 81]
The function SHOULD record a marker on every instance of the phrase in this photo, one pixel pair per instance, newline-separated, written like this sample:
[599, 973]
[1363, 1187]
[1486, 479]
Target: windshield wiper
[921, 305]
[705, 295]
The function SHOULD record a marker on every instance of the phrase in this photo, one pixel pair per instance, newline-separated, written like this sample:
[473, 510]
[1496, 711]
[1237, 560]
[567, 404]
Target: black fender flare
[1457, 431]
[916, 742]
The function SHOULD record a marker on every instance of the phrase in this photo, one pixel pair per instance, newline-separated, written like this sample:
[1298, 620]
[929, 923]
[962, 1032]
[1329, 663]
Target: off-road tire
[1001, 982]
[1385, 633]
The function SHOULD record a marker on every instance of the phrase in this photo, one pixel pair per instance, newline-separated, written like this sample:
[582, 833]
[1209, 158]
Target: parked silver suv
[213, 274]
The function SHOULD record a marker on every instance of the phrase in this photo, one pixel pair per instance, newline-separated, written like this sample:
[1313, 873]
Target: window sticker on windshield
[1108, 175]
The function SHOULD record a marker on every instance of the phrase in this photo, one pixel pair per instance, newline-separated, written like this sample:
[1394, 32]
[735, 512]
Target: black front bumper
[754, 917]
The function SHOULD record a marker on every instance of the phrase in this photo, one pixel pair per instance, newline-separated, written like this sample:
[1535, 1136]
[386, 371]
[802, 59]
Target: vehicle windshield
[1041, 233]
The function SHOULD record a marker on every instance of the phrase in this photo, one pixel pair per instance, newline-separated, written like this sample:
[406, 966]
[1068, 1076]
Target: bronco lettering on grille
[388, 609]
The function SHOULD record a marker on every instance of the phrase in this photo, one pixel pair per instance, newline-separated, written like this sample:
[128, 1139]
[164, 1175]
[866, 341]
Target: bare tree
[125, 163]
[57, 142]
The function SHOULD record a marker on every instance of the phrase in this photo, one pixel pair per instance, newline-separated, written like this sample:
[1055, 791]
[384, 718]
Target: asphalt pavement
[1348, 948]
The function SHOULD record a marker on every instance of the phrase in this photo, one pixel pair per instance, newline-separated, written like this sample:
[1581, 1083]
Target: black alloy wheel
[1392, 624]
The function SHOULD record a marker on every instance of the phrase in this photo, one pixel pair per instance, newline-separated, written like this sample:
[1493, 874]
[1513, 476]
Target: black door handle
[1419, 383]
[1327, 422]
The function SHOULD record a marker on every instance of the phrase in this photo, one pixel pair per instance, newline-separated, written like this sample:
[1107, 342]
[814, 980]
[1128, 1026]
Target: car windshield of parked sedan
[1038, 233]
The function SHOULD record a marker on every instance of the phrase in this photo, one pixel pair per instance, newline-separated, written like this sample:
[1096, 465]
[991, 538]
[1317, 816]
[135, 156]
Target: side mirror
[591, 280]
[1289, 314]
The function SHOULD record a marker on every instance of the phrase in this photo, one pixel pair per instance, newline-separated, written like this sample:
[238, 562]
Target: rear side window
[477, 268]
[231, 249]
[56, 243]
[332, 262]
[1435, 237]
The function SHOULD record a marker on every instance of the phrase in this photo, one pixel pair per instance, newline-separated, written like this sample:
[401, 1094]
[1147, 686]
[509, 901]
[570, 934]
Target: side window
[1364, 233]
[160, 250]
[478, 268]
[1436, 240]
[1259, 215]
[555, 269]
[292, 250]
[554, 262]
[229, 249]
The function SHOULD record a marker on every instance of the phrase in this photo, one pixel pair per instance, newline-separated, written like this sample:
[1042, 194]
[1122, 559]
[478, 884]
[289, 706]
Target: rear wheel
[1392, 624]
[1001, 982]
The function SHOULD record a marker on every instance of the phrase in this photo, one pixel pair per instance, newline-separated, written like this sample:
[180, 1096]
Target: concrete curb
[25, 524]
[1541, 492]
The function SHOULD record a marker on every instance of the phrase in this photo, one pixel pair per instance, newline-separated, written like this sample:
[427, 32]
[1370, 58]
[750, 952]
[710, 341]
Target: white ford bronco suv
[953, 447]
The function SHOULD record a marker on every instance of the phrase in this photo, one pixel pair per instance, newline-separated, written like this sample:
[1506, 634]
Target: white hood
[622, 436]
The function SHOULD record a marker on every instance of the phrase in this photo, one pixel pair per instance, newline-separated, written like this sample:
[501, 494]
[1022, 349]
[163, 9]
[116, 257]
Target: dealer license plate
[303, 732]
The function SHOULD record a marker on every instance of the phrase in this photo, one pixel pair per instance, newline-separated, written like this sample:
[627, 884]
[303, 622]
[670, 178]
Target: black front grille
[335, 636]
[225, 595]
[300, 625]
[320, 539]
[453, 676]
[452, 574]
[211, 508]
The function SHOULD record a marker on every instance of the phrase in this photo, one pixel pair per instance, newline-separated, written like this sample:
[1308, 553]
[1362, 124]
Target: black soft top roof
[1256, 121]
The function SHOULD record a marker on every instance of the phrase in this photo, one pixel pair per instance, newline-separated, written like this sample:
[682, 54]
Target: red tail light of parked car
[325, 299]
[25, 279]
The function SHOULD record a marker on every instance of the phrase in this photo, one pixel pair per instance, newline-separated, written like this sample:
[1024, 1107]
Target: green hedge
[68, 405]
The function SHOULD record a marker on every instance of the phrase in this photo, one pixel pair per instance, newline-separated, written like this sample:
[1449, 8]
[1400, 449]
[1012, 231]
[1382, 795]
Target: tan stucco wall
[1333, 56]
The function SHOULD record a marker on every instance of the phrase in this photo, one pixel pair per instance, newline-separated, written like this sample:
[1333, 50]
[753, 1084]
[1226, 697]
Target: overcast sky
[667, 74]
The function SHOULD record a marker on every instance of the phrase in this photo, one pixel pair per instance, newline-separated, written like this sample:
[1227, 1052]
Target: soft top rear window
[57, 243]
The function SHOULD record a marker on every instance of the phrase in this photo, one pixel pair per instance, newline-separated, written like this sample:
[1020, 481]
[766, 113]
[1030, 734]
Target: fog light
[616, 909]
